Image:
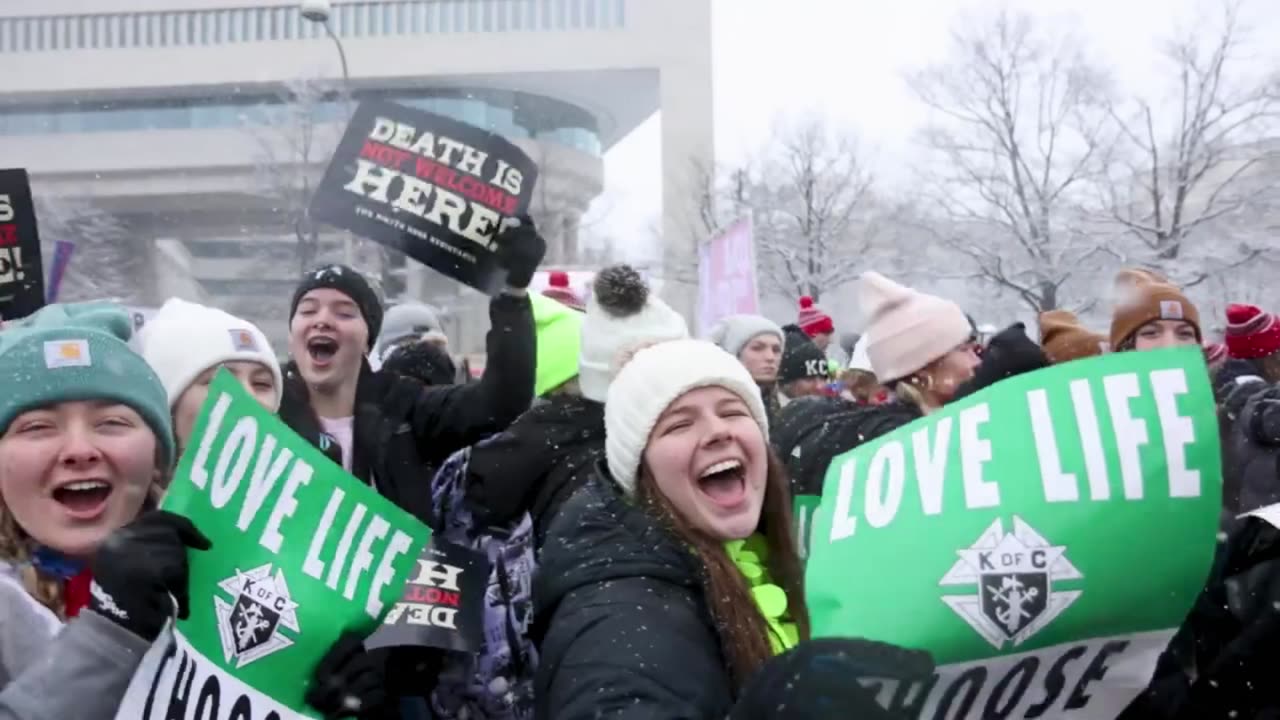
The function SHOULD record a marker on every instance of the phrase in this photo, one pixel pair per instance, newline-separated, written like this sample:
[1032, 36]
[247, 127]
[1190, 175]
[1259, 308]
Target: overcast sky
[845, 59]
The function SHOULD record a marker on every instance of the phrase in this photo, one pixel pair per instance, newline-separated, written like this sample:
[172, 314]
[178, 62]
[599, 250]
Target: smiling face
[72, 473]
[327, 338]
[761, 356]
[1165, 334]
[255, 377]
[707, 456]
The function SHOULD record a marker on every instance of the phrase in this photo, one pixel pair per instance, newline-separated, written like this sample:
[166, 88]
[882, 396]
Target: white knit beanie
[653, 379]
[622, 317]
[906, 330]
[184, 339]
[734, 332]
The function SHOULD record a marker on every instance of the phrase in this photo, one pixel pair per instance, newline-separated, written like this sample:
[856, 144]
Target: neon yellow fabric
[750, 556]
[559, 331]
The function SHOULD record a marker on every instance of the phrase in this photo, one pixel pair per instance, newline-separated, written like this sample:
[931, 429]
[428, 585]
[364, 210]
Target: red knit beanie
[813, 320]
[558, 289]
[1251, 333]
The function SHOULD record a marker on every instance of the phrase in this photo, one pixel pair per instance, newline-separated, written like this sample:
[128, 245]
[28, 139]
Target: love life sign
[1043, 538]
[302, 552]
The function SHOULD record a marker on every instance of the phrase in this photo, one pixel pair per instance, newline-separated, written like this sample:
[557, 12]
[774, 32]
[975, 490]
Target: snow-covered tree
[816, 218]
[1018, 133]
[296, 138]
[1195, 171]
[108, 263]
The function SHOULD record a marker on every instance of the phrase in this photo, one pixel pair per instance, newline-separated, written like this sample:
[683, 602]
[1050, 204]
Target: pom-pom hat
[657, 376]
[622, 317]
[813, 320]
[558, 289]
[1251, 333]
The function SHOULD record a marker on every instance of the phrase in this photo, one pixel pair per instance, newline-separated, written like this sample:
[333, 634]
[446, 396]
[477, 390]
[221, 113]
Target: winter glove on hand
[140, 572]
[819, 679]
[347, 682]
[1008, 354]
[520, 250]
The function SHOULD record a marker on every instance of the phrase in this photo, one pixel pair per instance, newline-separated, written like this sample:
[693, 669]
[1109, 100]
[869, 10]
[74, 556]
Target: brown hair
[743, 631]
[862, 384]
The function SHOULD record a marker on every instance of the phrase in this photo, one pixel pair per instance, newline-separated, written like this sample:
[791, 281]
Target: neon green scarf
[750, 556]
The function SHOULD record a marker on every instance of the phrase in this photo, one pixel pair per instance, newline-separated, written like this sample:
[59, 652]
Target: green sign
[301, 553]
[805, 505]
[1042, 538]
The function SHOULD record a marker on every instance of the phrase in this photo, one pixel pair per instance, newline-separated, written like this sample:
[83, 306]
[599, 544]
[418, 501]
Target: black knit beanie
[349, 282]
[801, 358]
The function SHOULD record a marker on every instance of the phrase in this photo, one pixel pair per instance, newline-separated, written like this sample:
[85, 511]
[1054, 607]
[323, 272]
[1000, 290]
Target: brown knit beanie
[1143, 296]
[1063, 338]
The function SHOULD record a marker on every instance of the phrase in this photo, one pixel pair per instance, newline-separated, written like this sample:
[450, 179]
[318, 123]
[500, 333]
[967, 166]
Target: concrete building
[203, 124]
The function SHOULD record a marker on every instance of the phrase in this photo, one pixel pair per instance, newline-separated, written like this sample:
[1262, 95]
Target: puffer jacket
[811, 432]
[1221, 663]
[1249, 416]
[624, 629]
[404, 431]
[547, 454]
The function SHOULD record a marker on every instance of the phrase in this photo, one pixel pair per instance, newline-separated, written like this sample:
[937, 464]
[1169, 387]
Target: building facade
[199, 127]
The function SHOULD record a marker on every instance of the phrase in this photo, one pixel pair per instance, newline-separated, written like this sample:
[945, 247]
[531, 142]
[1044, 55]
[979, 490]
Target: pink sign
[727, 276]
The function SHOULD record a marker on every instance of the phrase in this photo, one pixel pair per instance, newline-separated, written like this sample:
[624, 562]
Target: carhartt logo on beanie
[1251, 333]
[76, 352]
[349, 282]
[906, 329]
[622, 317]
[184, 339]
[1144, 296]
[812, 320]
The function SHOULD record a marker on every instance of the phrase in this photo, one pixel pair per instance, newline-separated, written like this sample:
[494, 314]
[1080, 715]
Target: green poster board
[1042, 538]
[301, 553]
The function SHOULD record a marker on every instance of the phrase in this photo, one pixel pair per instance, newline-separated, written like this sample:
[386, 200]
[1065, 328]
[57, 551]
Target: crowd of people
[632, 485]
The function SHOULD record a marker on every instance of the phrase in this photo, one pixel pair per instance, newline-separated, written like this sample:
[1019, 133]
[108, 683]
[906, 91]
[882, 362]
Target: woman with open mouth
[85, 447]
[668, 579]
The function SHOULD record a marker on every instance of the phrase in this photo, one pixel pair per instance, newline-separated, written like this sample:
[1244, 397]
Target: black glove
[819, 679]
[140, 572]
[1008, 354]
[520, 250]
[347, 682]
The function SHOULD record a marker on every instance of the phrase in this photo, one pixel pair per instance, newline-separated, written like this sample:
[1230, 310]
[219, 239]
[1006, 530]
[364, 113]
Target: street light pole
[319, 11]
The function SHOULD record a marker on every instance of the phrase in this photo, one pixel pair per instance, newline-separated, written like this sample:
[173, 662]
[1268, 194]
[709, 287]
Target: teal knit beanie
[79, 351]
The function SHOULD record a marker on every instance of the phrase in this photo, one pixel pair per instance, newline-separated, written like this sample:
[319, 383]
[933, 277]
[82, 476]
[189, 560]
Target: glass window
[261, 25]
[575, 14]
[287, 20]
[620, 13]
[358, 20]
[486, 16]
[419, 12]
[589, 13]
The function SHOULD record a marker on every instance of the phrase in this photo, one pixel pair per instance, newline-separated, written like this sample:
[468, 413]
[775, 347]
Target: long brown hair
[743, 631]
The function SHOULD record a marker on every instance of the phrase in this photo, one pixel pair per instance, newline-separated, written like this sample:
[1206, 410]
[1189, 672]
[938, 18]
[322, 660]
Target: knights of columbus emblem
[1015, 574]
[250, 624]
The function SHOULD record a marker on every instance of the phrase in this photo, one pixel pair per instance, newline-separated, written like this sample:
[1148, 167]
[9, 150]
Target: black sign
[21, 275]
[443, 603]
[433, 188]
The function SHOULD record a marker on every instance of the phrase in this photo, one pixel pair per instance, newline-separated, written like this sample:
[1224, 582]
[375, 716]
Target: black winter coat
[623, 627]
[811, 432]
[1249, 414]
[1221, 663]
[403, 431]
[547, 454]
